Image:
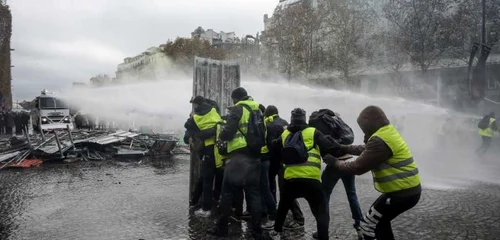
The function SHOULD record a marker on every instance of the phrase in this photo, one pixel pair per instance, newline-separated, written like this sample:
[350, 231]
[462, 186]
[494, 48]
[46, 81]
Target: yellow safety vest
[207, 121]
[267, 121]
[239, 141]
[310, 169]
[487, 132]
[400, 172]
[219, 158]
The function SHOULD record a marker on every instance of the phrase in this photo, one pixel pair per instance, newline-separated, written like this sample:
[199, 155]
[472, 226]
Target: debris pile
[70, 145]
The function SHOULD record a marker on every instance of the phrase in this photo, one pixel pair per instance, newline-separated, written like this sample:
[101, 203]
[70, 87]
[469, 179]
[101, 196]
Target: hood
[202, 109]
[297, 126]
[371, 119]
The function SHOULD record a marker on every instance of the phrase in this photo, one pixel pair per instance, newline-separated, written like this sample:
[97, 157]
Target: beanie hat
[298, 116]
[197, 100]
[239, 93]
[270, 110]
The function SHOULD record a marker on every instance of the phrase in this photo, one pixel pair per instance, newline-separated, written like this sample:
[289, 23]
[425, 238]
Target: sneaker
[293, 225]
[268, 225]
[315, 235]
[201, 213]
[246, 215]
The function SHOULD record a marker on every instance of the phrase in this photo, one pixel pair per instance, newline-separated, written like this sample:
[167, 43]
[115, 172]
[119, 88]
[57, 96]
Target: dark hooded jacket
[325, 146]
[192, 129]
[375, 152]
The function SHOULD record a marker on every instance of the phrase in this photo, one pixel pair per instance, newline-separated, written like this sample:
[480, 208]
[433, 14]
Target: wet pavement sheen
[149, 200]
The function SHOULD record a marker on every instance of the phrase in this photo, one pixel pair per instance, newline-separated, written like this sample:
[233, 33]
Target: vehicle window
[52, 103]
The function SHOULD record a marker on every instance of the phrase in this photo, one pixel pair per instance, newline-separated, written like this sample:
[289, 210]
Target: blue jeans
[268, 202]
[329, 179]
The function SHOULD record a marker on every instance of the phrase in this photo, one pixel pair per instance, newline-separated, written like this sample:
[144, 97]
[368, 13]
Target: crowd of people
[13, 122]
[251, 154]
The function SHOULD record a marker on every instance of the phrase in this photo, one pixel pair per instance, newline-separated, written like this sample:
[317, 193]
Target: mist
[443, 164]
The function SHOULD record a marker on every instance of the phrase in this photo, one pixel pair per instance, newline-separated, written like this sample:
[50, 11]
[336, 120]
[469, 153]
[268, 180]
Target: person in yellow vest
[487, 133]
[242, 167]
[395, 173]
[202, 126]
[275, 126]
[303, 177]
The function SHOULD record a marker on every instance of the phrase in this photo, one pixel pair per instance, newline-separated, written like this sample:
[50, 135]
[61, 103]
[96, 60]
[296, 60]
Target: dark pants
[377, 223]
[298, 216]
[484, 146]
[198, 190]
[208, 175]
[8, 129]
[329, 179]
[312, 191]
[242, 173]
[268, 201]
[219, 176]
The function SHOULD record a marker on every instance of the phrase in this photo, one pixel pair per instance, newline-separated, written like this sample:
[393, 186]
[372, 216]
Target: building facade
[213, 37]
[149, 65]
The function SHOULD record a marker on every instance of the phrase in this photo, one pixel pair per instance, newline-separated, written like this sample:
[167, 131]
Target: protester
[395, 173]
[301, 148]
[486, 128]
[202, 126]
[275, 126]
[242, 168]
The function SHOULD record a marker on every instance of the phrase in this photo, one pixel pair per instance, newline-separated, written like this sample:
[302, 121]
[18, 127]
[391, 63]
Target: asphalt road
[149, 200]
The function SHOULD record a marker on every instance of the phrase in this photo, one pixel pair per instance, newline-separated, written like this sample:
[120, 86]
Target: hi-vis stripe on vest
[310, 169]
[207, 121]
[400, 172]
[487, 132]
[239, 141]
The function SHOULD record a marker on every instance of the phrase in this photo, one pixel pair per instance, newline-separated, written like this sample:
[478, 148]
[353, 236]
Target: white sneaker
[268, 225]
[201, 213]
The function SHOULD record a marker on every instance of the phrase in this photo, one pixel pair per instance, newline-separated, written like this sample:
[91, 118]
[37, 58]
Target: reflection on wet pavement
[148, 200]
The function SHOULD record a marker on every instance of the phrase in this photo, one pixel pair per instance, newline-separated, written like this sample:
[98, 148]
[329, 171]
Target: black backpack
[294, 150]
[256, 134]
[484, 123]
[329, 124]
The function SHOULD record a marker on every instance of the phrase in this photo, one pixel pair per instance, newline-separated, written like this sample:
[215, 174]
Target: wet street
[149, 200]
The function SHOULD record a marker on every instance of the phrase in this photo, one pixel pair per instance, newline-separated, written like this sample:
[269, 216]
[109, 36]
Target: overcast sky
[58, 42]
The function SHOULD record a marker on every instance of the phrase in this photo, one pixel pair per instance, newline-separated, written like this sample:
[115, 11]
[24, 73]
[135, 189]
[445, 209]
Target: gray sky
[58, 42]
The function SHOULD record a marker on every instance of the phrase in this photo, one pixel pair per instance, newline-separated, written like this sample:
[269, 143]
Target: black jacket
[233, 120]
[325, 145]
[192, 129]
[274, 131]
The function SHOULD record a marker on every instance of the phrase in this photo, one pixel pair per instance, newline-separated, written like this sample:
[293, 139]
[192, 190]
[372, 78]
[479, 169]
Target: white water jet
[441, 166]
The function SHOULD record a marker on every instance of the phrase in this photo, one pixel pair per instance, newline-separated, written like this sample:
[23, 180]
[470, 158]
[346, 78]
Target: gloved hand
[330, 160]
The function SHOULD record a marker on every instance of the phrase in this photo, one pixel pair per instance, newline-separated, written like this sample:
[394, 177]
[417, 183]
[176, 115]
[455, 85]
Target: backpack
[326, 121]
[256, 134]
[294, 150]
[484, 123]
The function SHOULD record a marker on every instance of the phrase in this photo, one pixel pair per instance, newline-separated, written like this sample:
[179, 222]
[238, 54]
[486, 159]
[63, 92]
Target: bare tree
[292, 34]
[425, 28]
[347, 26]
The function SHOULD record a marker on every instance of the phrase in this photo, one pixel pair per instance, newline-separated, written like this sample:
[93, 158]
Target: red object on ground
[26, 163]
